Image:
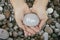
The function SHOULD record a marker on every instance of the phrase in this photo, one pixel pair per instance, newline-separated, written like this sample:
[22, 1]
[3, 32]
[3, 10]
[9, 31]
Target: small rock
[15, 34]
[10, 25]
[1, 8]
[59, 33]
[49, 21]
[10, 33]
[50, 10]
[57, 30]
[53, 27]
[57, 25]
[4, 34]
[2, 16]
[54, 35]
[7, 13]
[10, 38]
[48, 29]
[15, 27]
[20, 33]
[55, 14]
[45, 35]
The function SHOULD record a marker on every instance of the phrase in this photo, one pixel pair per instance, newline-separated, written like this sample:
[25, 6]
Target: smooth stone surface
[10, 25]
[4, 34]
[57, 25]
[50, 10]
[53, 27]
[10, 38]
[55, 14]
[15, 34]
[15, 27]
[45, 35]
[1, 8]
[48, 29]
[2, 16]
[57, 30]
[31, 19]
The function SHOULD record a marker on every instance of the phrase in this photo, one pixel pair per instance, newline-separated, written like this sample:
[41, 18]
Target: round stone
[2, 16]
[31, 19]
[10, 38]
[1, 8]
[45, 35]
[49, 10]
[4, 34]
[48, 29]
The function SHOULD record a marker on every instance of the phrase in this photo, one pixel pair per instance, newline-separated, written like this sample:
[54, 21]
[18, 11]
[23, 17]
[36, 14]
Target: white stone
[10, 38]
[57, 25]
[1, 8]
[31, 20]
[10, 25]
[15, 27]
[2, 16]
[55, 14]
[4, 34]
[57, 30]
[49, 10]
[53, 27]
[45, 35]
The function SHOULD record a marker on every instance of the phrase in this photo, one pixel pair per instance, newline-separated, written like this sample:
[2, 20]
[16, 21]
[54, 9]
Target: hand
[40, 9]
[21, 8]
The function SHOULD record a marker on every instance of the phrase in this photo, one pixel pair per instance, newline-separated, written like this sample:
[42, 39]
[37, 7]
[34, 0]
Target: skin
[21, 8]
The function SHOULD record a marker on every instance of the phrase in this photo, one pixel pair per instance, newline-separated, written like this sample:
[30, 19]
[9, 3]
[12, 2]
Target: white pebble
[1, 8]
[2, 16]
[50, 10]
[10, 38]
[55, 14]
[4, 34]
[45, 35]
[15, 27]
[31, 19]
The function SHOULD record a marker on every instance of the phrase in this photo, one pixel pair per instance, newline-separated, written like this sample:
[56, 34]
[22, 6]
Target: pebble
[57, 30]
[48, 29]
[56, 15]
[57, 25]
[50, 10]
[2, 16]
[4, 34]
[53, 27]
[15, 34]
[10, 39]
[10, 25]
[20, 33]
[45, 35]
[15, 27]
[7, 13]
[1, 8]
[10, 33]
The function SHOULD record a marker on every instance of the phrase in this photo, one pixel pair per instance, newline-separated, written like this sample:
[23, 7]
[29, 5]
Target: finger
[26, 33]
[36, 29]
[29, 30]
[19, 19]
[42, 23]
[27, 10]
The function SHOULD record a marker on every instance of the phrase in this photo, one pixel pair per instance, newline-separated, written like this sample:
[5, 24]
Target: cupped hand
[20, 9]
[40, 10]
